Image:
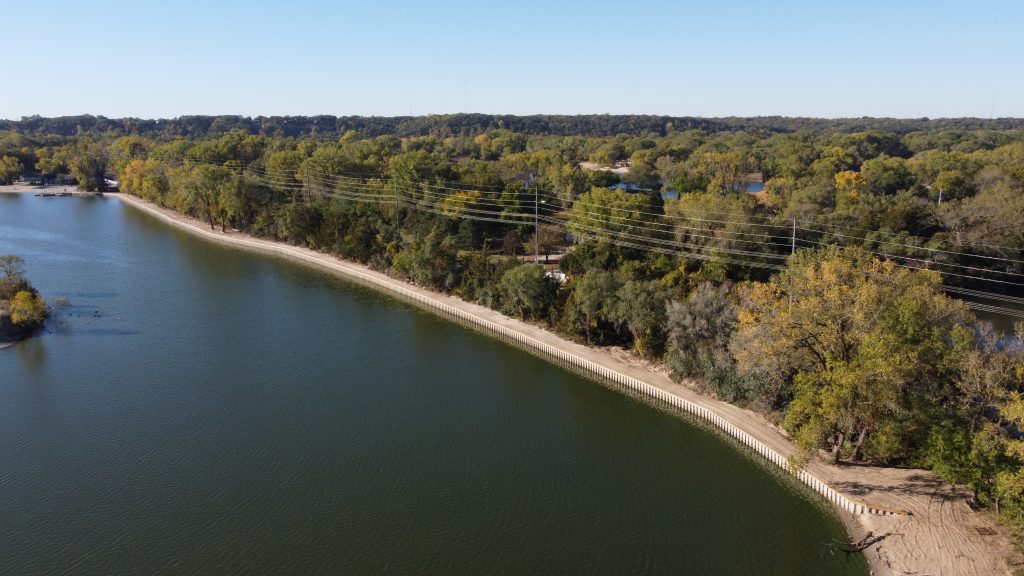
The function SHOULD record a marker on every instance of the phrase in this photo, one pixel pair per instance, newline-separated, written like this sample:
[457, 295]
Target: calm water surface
[202, 410]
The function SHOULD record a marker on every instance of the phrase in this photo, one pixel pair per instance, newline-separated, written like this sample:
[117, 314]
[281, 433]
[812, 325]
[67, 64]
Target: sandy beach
[939, 534]
[33, 189]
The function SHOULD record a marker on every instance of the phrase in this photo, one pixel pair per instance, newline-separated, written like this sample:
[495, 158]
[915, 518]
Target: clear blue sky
[827, 58]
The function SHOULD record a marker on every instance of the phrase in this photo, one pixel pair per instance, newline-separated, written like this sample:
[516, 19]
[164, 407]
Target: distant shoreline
[37, 189]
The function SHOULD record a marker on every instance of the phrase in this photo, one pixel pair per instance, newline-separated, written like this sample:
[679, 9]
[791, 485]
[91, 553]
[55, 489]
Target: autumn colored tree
[10, 169]
[145, 178]
[50, 161]
[125, 149]
[21, 307]
[456, 204]
[27, 309]
[862, 347]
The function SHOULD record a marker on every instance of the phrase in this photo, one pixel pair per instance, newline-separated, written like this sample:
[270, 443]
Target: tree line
[600, 125]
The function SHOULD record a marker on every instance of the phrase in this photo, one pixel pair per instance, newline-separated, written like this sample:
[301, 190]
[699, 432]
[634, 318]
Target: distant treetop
[471, 124]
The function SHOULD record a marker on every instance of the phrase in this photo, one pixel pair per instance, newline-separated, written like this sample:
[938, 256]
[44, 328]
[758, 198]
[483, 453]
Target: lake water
[203, 410]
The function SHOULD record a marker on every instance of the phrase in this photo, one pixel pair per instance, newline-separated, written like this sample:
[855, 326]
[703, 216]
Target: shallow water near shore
[200, 409]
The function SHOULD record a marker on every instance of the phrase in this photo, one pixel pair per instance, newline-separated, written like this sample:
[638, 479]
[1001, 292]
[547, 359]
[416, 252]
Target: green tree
[605, 214]
[1008, 489]
[525, 290]
[885, 176]
[640, 306]
[429, 261]
[200, 188]
[699, 329]
[477, 281]
[608, 153]
[592, 300]
[232, 197]
[283, 169]
[723, 170]
[548, 239]
[709, 224]
[973, 443]
[88, 162]
[991, 217]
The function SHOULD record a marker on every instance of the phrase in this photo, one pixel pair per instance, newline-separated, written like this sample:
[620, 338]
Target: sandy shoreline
[33, 189]
[942, 536]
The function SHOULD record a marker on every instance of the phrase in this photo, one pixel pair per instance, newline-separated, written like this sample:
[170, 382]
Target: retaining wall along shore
[395, 287]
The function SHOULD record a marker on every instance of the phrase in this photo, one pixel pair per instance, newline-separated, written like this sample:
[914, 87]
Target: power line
[930, 250]
[462, 187]
[902, 235]
[638, 234]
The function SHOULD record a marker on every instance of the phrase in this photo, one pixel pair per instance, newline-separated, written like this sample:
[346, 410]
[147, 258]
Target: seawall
[527, 336]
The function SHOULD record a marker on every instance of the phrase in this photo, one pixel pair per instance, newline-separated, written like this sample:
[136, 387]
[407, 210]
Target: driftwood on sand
[864, 543]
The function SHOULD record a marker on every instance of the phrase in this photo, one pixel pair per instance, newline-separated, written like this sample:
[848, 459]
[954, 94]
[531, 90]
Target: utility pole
[792, 251]
[536, 228]
[398, 216]
[940, 197]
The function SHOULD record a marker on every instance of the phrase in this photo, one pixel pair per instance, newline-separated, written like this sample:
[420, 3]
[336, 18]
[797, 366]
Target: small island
[22, 309]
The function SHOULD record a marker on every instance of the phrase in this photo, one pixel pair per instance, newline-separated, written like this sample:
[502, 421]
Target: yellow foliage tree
[849, 182]
[27, 309]
[456, 204]
[10, 169]
[856, 342]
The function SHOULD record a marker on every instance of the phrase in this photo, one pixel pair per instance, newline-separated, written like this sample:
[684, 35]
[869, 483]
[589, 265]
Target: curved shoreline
[955, 551]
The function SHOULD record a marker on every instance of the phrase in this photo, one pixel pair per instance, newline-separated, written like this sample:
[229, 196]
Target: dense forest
[825, 272]
[473, 124]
